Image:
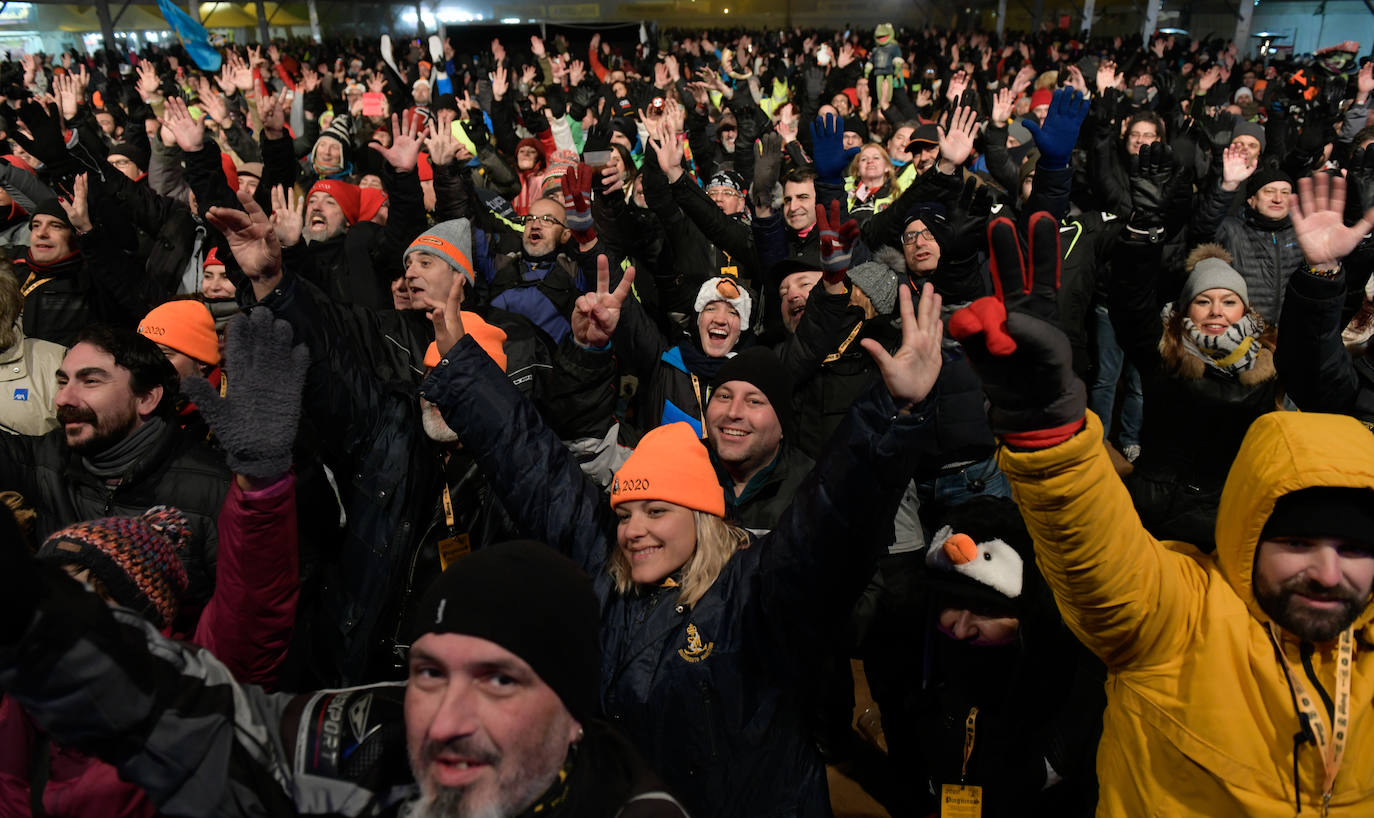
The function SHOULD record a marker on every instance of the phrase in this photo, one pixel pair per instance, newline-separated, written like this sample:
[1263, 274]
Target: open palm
[1318, 220]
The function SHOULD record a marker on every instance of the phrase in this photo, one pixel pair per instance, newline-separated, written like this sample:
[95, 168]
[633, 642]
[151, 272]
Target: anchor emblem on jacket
[695, 650]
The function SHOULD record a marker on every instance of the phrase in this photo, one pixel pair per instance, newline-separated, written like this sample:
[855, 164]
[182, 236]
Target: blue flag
[193, 36]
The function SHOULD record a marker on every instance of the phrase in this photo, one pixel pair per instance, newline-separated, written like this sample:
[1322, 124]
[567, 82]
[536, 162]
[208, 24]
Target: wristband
[1328, 275]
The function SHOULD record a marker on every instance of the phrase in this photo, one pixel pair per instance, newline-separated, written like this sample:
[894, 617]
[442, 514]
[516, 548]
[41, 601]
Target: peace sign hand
[1014, 341]
[596, 315]
[911, 372]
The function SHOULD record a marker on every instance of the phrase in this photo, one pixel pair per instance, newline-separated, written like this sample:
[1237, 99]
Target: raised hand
[288, 215]
[77, 207]
[1059, 134]
[1318, 214]
[1014, 341]
[252, 240]
[577, 71]
[500, 82]
[837, 241]
[767, 166]
[498, 51]
[213, 103]
[67, 94]
[406, 140]
[1364, 82]
[957, 84]
[668, 149]
[1208, 78]
[1153, 173]
[827, 141]
[911, 372]
[1236, 167]
[1106, 76]
[189, 134]
[596, 314]
[957, 143]
[148, 81]
[577, 203]
[441, 145]
[447, 317]
[255, 424]
[1002, 105]
[1022, 80]
[536, 46]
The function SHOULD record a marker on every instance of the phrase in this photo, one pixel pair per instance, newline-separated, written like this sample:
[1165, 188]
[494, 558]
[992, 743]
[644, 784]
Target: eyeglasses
[545, 219]
[912, 236]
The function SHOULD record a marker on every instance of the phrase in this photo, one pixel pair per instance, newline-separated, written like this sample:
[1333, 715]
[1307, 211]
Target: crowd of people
[468, 428]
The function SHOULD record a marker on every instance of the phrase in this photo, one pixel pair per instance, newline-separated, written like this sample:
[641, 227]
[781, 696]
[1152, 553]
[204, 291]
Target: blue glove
[1059, 134]
[827, 142]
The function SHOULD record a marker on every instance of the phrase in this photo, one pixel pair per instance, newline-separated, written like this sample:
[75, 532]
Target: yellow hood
[1282, 453]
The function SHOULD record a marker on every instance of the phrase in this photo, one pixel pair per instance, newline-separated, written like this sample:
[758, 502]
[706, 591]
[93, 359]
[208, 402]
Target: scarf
[119, 458]
[1234, 351]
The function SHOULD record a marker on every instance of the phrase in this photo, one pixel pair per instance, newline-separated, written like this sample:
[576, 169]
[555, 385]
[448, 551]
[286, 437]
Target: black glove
[1359, 181]
[767, 166]
[477, 130]
[967, 223]
[1014, 341]
[47, 143]
[1153, 175]
[19, 586]
[256, 424]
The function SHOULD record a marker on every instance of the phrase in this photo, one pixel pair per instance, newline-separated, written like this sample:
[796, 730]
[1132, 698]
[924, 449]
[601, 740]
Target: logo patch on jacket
[21, 394]
[695, 650]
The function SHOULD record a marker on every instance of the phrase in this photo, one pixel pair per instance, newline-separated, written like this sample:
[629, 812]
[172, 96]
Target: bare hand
[288, 215]
[448, 317]
[78, 211]
[957, 143]
[1236, 167]
[596, 314]
[189, 134]
[500, 83]
[406, 140]
[910, 374]
[252, 240]
[1318, 213]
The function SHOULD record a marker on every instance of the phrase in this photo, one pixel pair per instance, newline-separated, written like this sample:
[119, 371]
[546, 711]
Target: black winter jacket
[1266, 252]
[709, 693]
[1316, 370]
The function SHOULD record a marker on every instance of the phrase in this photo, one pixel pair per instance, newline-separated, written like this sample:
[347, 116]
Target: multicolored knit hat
[135, 558]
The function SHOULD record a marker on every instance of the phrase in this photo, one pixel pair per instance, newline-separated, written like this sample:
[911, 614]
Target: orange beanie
[491, 339]
[670, 464]
[186, 326]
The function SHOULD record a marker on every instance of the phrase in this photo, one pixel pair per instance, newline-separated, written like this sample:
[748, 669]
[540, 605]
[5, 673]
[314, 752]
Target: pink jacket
[247, 625]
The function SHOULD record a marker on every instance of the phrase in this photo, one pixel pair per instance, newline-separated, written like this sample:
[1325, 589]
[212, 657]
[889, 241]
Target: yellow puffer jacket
[1199, 719]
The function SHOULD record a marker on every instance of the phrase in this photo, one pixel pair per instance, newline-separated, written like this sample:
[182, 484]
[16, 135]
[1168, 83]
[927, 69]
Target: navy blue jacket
[710, 694]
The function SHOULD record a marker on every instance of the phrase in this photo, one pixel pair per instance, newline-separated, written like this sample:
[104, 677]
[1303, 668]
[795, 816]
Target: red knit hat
[490, 338]
[186, 326]
[1042, 96]
[370, 201]
[670, 464]
[212, 259]
[348, 197]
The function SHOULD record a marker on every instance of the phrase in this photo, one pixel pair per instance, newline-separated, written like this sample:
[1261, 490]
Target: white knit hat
[729, 290]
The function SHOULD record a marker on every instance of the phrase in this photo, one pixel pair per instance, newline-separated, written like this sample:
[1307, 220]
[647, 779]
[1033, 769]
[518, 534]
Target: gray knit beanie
[1213, 272]
[450, 241]
[878, 282]
[1247, 128]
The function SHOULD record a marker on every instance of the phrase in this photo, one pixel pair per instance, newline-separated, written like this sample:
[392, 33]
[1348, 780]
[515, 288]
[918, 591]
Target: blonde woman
[707, 634]
[871, 182]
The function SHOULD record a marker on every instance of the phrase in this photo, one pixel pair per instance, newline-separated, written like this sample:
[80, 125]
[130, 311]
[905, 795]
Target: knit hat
[1247, 128]
[1242, 92]
[135, 558]
[625, 125]
[490, 338]
[1265, 175]
[727, 178]
[532, 601]
[878, 282]
[338, 131]
[855, 125]
[761, 368]
[253, 169]
[1209, 266]
[729, 290]
[531, 142]
[727, 121]
[1021, 132]
[212, 259]
[1041, 96]
[450, 241]
[1323, 511]
[134, 153]
[671, 465]
[51, 207]
[370, 201]
[346, 196]
[185, 325]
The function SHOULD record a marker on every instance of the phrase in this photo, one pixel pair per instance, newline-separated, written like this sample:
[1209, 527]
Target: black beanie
[535, 603]
[51, 207]
[855, 124]
[1323, 511]
[134, 153]
[760, 367]
[1265, 175]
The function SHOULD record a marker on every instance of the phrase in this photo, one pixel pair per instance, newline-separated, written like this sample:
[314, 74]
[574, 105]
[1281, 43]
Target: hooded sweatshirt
[1200, 716]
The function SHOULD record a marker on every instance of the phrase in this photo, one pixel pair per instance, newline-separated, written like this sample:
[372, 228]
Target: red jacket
[247, 625]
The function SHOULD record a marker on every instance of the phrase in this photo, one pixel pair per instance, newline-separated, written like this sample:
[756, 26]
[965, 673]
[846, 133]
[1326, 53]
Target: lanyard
[696, 390]
[968, 741]
[448, 509]
[32, 283]
[1331, 744]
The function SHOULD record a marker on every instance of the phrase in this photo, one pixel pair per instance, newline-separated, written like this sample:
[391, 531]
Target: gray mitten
[256, 423]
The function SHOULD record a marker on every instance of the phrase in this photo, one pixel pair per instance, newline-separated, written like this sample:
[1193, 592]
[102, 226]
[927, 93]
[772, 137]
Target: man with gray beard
[498, 718]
